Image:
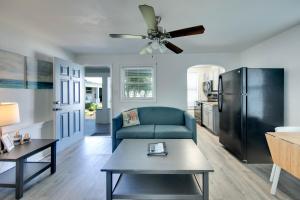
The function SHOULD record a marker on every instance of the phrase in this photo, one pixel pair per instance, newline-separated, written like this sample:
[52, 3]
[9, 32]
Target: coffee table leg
[108, 186]
[205, 186]
[19, 178]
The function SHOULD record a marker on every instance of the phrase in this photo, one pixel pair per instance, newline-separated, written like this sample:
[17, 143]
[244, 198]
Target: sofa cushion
[161, 116]
[130, 118]
[172, 132]
[136, 132]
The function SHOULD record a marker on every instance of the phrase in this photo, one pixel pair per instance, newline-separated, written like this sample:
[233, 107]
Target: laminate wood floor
[78, 175]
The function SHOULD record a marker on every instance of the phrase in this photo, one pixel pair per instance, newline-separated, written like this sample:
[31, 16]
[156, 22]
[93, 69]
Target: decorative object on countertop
[7, 142]
[9, 114]
[17, 138]
[26, 138]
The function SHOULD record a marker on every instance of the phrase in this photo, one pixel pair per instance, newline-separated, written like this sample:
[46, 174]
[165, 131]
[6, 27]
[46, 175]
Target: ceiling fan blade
[127, 36]
[149, 16]
[187, 31]
[173, 47]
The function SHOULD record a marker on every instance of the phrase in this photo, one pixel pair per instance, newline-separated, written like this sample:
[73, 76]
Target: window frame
[137, 99]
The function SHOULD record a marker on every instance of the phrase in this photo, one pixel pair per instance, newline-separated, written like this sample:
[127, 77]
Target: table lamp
[9, 114]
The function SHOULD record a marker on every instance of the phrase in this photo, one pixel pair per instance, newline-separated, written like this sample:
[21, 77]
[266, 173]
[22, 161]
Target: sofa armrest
[117, 123]
[190, 123]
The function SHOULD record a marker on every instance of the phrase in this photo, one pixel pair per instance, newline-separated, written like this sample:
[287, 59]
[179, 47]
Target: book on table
[157, 149]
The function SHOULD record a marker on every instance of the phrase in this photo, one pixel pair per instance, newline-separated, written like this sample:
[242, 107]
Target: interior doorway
[202, 83]
[97, 101]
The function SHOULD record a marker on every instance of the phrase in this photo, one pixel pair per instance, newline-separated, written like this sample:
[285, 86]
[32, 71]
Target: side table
[25, 171]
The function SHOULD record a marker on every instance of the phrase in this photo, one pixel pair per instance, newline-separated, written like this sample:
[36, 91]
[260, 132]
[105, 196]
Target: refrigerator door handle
[220, 94]
[220, 103]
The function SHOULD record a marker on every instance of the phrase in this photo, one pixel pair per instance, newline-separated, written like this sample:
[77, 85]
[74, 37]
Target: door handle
[220, 94]
[220, 102]
[56, 109]
[56, 102]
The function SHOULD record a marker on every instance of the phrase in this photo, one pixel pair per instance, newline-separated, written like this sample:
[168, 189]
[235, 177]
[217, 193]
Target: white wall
[171, 72]
[18, 41]
[282, 50]
[35, 105]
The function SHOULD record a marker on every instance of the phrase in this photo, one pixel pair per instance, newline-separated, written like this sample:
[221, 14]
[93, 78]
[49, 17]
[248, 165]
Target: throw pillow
[130, 118]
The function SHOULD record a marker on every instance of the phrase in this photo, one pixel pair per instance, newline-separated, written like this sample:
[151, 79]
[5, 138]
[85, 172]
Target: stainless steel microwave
[207, 87]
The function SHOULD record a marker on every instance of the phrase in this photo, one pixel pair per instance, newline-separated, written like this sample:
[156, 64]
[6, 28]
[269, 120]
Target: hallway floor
[91, 128]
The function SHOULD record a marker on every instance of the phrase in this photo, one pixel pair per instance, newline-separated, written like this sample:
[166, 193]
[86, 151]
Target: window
[137, 83]
[192, 88]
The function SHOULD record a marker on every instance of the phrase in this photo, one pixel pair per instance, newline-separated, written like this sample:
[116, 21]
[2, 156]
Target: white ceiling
[82, 26]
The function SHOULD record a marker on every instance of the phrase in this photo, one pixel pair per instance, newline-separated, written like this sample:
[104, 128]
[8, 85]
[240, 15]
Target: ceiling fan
[157, 34]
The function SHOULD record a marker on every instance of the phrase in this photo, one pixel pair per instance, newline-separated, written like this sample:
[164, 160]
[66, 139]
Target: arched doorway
[197, 76]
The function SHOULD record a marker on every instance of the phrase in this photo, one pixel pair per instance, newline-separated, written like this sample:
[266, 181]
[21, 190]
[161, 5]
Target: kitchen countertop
[210, 103]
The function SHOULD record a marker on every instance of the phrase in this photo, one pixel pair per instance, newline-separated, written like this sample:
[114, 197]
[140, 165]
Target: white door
[68, 104]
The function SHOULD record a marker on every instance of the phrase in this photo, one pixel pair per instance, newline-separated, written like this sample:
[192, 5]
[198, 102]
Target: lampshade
[9, 114]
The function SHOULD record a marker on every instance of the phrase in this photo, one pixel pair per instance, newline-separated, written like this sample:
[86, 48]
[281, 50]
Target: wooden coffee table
[174, 176]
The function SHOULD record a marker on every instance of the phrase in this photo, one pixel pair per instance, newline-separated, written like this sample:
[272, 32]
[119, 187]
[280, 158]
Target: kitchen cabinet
[210, 116]
[198, 112]
[207, 116]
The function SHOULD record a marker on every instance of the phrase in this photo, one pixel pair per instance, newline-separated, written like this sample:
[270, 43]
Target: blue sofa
[155, 122]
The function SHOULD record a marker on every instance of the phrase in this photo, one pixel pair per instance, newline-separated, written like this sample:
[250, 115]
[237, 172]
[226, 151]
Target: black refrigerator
[251, 103]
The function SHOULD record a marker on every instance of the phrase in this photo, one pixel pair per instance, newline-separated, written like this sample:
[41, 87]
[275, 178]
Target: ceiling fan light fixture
[149, 49]
[155, 45]
[143, 52]
[162, 49]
